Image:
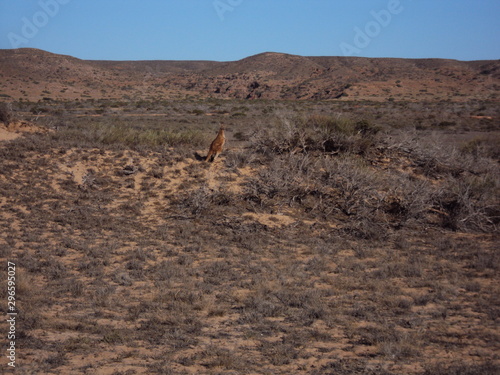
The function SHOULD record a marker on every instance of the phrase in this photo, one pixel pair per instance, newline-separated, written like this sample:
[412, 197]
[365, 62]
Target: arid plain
[350, 225]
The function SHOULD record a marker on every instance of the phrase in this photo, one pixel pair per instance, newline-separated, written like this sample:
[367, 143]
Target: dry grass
[377, 255]
[6, 114]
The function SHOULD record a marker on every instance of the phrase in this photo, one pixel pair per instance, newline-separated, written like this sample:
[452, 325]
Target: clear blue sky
[226, 30]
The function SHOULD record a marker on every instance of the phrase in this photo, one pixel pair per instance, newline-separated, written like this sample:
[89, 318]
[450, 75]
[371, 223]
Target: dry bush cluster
[457, 187]
[290, 134]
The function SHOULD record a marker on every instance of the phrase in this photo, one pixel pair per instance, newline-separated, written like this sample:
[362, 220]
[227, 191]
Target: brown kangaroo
[217, 144]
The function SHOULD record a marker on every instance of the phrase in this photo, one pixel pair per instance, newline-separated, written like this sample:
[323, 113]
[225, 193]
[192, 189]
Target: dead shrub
[482, 147]
[214, 357]
[407, 199]
[355, 186]
[203, 199]
[278, 354]
[240, 158]
[287, 179]
[469, 203]
[6, 114]
[349, 367]
[329, 134]
[337, 134]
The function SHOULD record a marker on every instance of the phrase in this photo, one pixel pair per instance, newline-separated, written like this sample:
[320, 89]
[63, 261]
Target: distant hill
[32, 74]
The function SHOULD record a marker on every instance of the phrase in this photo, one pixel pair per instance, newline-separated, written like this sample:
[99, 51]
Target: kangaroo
[217, 144]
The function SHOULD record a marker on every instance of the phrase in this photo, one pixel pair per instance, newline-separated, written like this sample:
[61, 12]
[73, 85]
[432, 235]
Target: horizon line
[257, 54]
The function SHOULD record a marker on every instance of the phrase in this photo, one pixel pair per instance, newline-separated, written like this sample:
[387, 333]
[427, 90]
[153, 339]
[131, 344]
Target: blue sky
[226, 30]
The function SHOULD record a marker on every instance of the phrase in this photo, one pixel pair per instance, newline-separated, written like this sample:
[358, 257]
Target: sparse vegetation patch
[327, 238]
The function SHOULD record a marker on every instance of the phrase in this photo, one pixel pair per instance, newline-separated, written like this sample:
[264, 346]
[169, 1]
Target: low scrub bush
[287, 179]
[354, 184]
[466, 182]
[487, 368]
[407, 199]
[470, 203]
[344, 187]
[202, 200]
[6, 114]
[482, 147]
[317, 133]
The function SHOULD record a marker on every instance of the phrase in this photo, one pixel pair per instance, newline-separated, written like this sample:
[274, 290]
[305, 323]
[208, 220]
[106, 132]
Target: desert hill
[32, 74]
